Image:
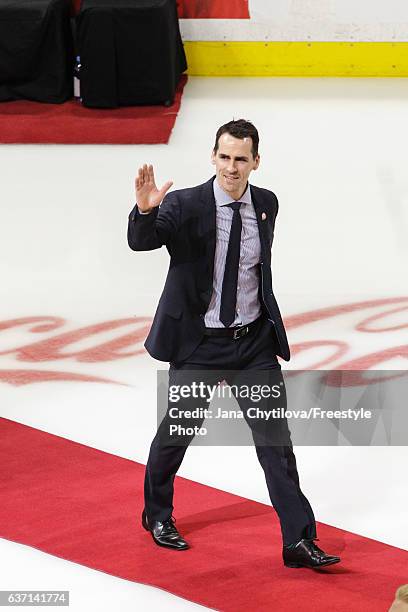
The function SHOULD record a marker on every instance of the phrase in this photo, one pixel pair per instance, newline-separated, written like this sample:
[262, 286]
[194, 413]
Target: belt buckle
[242, 331]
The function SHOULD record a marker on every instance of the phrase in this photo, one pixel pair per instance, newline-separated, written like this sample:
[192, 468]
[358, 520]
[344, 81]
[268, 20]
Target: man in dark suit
[217, 312]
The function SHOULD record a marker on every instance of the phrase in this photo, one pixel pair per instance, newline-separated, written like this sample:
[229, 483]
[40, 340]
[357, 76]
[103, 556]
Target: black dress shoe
[164, 534]
[306, 554]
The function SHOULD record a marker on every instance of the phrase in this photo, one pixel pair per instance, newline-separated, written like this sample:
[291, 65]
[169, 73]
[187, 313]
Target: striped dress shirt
[248, 306]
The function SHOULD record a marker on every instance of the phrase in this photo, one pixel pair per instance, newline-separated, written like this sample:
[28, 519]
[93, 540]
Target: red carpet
[84, 505]
[25, 122]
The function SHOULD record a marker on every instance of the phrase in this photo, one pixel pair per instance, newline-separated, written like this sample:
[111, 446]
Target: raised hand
[147, 194]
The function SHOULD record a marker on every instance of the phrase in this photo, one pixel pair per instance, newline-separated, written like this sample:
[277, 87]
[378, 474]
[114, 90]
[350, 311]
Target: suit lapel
[208, 228]
[257, 201]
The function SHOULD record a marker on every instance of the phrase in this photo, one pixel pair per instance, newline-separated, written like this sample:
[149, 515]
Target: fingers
[165, 189]
[151, 174]
[145, 175]
[139, 182]
[140, 178]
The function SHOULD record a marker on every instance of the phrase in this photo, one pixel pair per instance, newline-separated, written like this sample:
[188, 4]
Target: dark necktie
[230, 280]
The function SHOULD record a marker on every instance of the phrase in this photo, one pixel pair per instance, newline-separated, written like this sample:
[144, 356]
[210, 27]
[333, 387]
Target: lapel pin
[263, 216]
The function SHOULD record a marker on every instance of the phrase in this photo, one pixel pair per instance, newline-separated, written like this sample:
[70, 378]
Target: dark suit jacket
[186, 223]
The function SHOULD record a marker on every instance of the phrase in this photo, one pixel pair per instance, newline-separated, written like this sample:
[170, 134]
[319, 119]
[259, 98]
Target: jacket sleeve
[149, 232]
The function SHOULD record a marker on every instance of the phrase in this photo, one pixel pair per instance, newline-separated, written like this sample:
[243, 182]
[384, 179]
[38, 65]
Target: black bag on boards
[130, 52]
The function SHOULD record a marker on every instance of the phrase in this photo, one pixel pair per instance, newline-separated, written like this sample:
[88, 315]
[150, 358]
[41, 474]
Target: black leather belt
[232, 332]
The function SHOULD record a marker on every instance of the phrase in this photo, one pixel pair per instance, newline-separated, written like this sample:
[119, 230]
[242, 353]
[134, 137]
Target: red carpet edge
[83, 505]
[26, 122]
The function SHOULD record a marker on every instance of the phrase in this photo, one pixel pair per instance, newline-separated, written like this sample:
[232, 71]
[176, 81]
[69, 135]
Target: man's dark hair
[240, 128]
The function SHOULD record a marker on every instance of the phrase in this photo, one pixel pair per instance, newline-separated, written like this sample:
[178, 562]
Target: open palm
[147, 194]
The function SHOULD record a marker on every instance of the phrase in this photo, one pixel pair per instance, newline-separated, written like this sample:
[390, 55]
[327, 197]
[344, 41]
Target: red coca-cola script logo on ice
[340, 353]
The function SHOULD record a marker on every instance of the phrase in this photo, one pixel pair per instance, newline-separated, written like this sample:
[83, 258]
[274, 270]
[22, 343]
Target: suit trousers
[235, 361]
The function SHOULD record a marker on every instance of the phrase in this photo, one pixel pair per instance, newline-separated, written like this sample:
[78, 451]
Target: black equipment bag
[36, 50]
[131, 52]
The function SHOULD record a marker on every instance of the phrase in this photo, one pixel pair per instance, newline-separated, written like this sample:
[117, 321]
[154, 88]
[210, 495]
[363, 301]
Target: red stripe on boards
[203, 9]
[213, 9]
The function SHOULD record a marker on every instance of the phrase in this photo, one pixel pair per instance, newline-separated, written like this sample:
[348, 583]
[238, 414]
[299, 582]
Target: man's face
[234, 163]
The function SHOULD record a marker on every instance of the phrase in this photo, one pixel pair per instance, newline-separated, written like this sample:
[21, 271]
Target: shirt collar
[222, 198]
